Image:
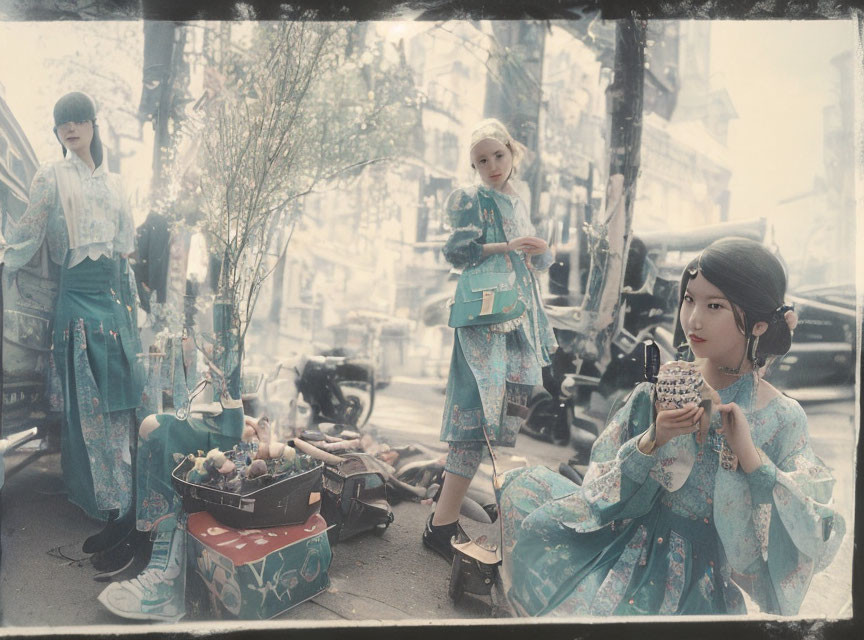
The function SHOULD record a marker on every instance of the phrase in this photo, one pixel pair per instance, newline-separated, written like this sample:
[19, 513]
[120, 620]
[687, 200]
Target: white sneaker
[159, 592]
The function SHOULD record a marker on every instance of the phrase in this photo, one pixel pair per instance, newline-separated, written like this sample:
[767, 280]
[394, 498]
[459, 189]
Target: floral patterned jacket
[100, 221]
[464, 248]
[776, 524]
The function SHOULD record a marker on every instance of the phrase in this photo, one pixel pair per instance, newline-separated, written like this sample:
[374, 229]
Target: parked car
[27, 301]
[821, 363]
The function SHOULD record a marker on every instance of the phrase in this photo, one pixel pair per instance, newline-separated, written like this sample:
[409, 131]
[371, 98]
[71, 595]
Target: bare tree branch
[277, 134]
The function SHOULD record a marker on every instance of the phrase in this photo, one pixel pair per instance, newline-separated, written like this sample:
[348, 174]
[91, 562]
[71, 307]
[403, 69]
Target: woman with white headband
[499, 352]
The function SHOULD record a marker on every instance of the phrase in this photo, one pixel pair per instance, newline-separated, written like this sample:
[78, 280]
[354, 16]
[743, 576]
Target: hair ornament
[786, 313]
[692, 271]
[490, 129]
[493, 129]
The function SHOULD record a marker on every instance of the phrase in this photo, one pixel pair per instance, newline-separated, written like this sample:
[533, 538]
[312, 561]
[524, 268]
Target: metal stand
[15, 442]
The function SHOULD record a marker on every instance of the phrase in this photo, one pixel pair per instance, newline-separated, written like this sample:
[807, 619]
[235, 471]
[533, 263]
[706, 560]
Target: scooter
[335, 389]
[553, 411]
[339, 389]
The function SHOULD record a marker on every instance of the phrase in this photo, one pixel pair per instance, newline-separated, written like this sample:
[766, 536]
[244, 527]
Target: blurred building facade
[839, 165]
[374, 246]
[374, 254]
[685, 168]
[818, 234]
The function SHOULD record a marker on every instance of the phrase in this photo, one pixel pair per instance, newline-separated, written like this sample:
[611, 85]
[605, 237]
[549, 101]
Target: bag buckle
[488, 302]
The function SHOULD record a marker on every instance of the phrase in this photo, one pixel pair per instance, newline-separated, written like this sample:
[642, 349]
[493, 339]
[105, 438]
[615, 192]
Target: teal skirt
[94, 353]
[490, 381]
[659, 563]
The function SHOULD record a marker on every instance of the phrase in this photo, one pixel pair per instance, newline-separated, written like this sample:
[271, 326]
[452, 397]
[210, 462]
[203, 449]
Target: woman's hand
[737, 431]
[671, 423]
[528, 244]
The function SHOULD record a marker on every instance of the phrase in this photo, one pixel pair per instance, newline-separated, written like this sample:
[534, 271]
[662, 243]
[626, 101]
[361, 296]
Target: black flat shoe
[130, 555]
[438, 538]
[491, 510]
[112, 561]
[114, 532]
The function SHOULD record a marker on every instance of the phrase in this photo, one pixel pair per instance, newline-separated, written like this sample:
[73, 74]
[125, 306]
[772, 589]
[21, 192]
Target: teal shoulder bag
[486, 297]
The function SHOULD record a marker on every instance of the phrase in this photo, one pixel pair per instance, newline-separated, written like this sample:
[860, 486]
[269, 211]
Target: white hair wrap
[492, 129]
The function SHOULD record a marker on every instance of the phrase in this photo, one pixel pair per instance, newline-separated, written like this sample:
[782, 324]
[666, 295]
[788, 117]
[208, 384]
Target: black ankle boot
[114, 531]
[438, 538]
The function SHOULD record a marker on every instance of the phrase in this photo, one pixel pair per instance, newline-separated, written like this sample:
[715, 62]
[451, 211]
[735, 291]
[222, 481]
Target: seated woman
[664, 523]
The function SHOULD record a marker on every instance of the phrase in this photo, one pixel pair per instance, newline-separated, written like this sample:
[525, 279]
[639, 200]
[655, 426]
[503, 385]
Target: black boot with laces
[438, 537]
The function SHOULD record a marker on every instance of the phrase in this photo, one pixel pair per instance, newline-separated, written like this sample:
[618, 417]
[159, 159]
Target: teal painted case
[256, 574]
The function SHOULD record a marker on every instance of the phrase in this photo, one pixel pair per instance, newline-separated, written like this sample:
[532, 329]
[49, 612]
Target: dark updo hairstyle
[754, 281]
[78, 107]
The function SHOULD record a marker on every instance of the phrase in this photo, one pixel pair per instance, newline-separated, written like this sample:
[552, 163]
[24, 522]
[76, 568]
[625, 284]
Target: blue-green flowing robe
[96, 378]
[673, 532]
[488, 368]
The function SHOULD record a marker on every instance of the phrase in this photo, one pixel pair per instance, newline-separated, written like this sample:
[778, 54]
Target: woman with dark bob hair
[80, 210]
[677, 514]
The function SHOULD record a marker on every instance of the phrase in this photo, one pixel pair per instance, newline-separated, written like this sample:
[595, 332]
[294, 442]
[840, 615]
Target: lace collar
[73, 160]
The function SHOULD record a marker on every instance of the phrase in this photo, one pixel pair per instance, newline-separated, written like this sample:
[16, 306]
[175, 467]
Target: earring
[753, 355]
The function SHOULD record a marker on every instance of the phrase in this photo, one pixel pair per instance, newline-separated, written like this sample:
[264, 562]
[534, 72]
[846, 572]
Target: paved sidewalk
[45, 580]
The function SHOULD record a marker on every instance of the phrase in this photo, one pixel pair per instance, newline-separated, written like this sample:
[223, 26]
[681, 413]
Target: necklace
[736, 371]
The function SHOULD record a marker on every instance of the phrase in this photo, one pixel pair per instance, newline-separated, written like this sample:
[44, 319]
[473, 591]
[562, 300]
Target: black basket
[291, 500]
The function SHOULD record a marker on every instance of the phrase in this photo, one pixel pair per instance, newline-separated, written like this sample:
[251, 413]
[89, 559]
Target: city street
[47, 581]
[304, 201]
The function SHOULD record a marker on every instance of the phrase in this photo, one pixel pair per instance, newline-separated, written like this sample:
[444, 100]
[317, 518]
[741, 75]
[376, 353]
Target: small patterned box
[679, 383]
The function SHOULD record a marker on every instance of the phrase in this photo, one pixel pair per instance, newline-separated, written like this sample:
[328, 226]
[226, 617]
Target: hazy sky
[778, 75]
[776, 72]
